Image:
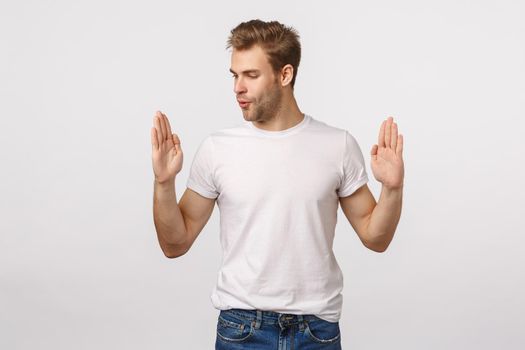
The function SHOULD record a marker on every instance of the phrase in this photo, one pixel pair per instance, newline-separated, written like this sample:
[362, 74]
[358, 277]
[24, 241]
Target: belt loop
[301, 324]
[258, 320]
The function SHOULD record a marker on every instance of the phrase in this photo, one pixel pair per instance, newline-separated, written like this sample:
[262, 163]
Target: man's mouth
[244, 104]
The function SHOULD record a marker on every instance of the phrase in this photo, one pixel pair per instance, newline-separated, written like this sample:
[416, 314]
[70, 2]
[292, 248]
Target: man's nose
[238, 86]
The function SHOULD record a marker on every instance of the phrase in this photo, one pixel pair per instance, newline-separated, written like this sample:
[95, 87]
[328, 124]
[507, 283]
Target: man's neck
[287, 117]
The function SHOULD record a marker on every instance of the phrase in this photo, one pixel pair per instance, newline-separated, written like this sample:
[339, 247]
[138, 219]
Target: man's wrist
[164, 185]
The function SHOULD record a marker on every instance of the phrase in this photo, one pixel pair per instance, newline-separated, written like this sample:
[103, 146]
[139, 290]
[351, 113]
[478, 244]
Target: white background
[80, 265]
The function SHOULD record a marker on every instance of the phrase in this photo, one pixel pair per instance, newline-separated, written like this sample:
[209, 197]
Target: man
[278, 178]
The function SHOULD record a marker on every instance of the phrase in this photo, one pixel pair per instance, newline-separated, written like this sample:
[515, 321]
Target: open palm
[387, 156]
[167, 153]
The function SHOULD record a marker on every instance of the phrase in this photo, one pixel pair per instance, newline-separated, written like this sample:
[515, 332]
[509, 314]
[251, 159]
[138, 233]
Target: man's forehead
[252, 58]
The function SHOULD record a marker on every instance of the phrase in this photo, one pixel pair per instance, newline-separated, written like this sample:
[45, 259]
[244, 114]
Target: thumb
[373, 152]
[177, 142]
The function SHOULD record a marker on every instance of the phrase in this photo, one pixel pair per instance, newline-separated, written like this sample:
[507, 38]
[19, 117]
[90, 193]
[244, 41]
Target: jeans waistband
[257, 317]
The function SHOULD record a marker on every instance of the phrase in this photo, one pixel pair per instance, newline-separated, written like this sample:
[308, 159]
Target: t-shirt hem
[200, 190]
[352, 189]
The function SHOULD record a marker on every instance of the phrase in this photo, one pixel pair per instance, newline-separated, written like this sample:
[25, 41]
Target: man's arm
[385, 217]
[178, 225]
[357, 208]
[375, 223]
[196, 210]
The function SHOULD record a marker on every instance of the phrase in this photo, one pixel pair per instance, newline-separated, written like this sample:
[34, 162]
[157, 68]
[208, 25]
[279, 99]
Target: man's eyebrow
[246, 71]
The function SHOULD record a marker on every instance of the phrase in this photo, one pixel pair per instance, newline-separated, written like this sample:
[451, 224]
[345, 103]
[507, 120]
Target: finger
[178, 148]
[158, 130]
[168, 126]
[154, 143]
[176, 139]
[163, 126]
[176, 142]
[373, 152]
[388, 130]
[381, 138]
[393, 143]
[399, 149]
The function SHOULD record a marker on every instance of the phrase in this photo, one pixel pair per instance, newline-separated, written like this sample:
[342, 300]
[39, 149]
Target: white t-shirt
[277, 193]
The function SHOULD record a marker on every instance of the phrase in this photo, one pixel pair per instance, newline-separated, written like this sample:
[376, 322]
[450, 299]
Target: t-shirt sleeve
[354, 170]
[201, 172]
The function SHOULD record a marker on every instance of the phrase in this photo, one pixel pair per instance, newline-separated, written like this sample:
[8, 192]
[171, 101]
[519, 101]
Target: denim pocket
[233, 329]
[322, 331]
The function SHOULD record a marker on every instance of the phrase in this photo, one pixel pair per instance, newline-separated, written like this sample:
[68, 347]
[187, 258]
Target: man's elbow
[174, 251]
[378, 247]
[173, 255]
[378, 250]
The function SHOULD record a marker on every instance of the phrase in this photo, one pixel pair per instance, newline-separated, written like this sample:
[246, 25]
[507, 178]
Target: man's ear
[286, 75]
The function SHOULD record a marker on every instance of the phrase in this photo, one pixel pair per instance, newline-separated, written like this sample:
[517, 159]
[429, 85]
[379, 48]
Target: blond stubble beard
[268, 108]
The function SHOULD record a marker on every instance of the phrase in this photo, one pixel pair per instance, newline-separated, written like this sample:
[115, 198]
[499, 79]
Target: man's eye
[251, 76]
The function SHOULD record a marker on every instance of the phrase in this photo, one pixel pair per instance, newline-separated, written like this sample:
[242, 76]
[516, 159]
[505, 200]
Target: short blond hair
[280, 42]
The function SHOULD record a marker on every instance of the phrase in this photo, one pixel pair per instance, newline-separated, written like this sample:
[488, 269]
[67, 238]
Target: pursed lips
[243, 103]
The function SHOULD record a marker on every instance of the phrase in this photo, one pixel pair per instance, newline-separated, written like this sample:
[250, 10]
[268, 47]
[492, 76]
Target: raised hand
[387, 156]
[167, 153]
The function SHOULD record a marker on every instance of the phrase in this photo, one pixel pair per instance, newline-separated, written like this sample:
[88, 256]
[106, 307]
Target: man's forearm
[385, 217]
[167, 216]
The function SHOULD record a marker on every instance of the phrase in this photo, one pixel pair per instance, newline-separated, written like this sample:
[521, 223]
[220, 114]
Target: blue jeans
[260, 329]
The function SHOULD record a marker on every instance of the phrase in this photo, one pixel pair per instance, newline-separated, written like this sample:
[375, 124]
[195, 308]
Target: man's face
[255, 82]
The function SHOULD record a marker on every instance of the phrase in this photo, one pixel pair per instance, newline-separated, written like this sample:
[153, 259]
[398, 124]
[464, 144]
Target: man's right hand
[167, 153]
